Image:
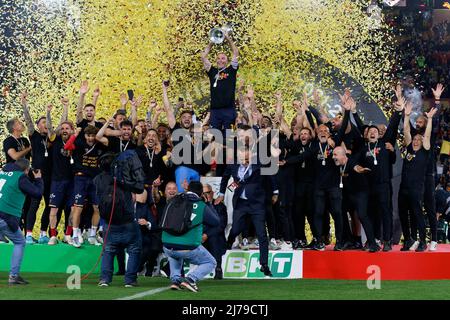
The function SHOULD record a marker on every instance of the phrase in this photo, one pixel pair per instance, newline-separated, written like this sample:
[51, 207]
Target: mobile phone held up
[130, 94]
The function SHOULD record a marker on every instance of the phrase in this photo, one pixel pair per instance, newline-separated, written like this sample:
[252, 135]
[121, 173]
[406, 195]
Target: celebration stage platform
[239, 264]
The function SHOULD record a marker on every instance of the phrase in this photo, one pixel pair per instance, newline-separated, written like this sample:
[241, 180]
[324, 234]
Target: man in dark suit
[248, 200]
[214, 237]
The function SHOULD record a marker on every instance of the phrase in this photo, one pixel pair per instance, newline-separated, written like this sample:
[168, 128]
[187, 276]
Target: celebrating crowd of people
[339, 166]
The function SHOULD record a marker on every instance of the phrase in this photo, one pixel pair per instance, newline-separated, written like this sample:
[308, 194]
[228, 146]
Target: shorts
[84, 190]
[60, 193]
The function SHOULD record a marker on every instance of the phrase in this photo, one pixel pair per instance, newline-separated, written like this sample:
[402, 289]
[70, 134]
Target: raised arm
[437, 104]
[157, 112]
[95, 96]
[427, 137]
[233, 48]
[406, 124]
[168, 108]
[204, 57]
[134, 106]
[100, 137]
[26, 112]
[51, 131]
[83, 90]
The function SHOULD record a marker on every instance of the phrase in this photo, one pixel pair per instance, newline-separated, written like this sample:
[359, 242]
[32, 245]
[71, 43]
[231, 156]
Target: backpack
[104, 184]
[127, 168]
[176, 217]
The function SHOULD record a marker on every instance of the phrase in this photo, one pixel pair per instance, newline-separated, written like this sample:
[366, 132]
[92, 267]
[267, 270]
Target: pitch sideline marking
[144, 294]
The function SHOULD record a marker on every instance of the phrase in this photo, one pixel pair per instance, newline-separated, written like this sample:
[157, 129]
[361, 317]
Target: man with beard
[40, 150]
[15, 146]
[86, 156]
[151, 157]
[326, 182]
[412, 186]
[61, 189]
[430, 183]
[189, 168]
[88, 109]
[378, 155]
[304, 177]
[117, 144]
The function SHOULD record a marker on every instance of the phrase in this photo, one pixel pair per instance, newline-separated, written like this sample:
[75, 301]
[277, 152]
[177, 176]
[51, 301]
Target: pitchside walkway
[238, 264]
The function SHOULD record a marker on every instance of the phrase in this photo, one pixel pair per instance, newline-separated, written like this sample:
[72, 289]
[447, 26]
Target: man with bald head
[222, 86]
[355, 189]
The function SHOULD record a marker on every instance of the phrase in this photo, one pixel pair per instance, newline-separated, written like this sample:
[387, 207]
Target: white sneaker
[273, 245]
[254, 245]
[379, 243]
[83, 237]
[244, 245]
[99, 239]
[286, 246]
[93, 241]
[414, 246]
[76, 242]
[68, 239]
[53, 240]
[433, 246]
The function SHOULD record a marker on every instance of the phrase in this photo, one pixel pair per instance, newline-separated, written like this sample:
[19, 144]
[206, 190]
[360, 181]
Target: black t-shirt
[84, 123]
[353, 181]
[39, 148]
[152, 163]
[16, 144]
[414, 168]
[326, 172]
[380, 172]
[223, 95]
[196, 156]
[431, 165]
[62, 168]
[303, 162]
[116, 145]
[86, 157]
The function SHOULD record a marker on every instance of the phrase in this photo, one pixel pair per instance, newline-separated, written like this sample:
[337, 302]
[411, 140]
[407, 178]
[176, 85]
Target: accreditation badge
[233, 186]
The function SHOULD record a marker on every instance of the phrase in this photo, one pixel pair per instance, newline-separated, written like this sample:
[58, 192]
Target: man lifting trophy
[222, 80]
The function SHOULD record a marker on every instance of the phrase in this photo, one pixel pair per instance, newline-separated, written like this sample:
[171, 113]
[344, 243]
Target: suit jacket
[253, 184]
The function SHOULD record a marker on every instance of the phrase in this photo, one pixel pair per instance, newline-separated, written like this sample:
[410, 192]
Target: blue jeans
[200, 257]
[184, 173]
[126, 236]
[19, 245]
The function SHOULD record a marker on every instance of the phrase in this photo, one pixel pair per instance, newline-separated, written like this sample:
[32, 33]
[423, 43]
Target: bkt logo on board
[246, 265]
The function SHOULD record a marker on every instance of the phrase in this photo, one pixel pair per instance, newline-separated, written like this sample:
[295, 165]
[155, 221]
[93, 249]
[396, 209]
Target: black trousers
[429, 200]
[151, 247]
[34, 207]
[334, 197]
[243, 209]
[410, 212]
[380, 210]
[359, 203]
[286, 187]
[303, 208]
[216, 244]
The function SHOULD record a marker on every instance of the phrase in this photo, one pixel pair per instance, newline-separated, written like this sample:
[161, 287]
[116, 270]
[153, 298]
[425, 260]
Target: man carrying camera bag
[14, 186]
[182, 225]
